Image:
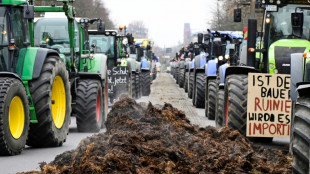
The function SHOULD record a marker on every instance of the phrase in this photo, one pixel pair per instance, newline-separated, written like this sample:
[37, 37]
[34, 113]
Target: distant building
[187, 33]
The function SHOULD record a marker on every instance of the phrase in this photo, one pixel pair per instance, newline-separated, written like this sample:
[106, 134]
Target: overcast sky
[164, 18]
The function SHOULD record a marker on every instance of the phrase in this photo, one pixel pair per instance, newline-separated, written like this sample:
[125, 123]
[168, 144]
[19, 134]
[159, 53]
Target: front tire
[52, 101]
[89, 105]
[219, 108]
[301, 136]
[186, 82]
[211, 99]
[191, 85]
[181, 78]
[14, 116]
[133, 86]
[146, 83]
[199, 97]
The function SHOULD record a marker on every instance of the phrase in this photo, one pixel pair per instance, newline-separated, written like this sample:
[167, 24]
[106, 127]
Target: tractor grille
[283, 58]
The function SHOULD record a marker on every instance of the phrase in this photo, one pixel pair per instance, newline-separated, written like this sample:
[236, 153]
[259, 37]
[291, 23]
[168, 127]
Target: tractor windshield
[103, 44]
[281, 27]
[3, 26]
[52, 33]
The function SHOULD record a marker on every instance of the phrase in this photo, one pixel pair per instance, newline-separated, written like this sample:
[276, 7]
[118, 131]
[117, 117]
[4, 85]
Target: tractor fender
[182, 64]
[240, 70]
[222, 72]
[138, 67]
[131, 64]
[99, 65]
[303, 89]
[297, 73]
[211, 68]
[33, 64]
[11, 75]
[200, 61]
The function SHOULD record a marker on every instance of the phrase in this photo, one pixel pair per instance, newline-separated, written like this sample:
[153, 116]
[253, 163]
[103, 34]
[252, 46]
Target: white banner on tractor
[269, 105]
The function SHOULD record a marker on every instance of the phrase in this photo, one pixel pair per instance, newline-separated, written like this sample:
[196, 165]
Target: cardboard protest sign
[118, 78]
[269, 105]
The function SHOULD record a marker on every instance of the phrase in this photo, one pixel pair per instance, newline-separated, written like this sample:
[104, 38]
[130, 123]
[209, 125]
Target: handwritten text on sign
[269, 105]
[117, 82]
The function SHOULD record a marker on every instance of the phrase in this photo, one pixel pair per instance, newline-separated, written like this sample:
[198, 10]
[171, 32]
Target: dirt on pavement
[145, 139]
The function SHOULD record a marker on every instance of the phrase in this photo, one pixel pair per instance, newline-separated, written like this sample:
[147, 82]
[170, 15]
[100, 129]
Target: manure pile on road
[150, 140]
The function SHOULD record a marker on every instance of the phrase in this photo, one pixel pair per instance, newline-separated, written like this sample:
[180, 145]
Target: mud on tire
[301, 136]
[45, 133]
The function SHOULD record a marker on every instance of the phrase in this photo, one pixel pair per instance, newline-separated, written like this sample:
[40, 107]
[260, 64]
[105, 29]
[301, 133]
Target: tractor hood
[280, 54]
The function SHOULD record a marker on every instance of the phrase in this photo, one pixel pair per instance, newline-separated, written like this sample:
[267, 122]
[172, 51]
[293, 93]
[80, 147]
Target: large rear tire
[52, 101]
[186, 82]
[14, 116]
[211, 99]
[146, 83]
[199, 97]
[301, 136]
[89, 105]
[138, 86]
[219, 108]
[177, 75]
[181, 78]
[191, 84]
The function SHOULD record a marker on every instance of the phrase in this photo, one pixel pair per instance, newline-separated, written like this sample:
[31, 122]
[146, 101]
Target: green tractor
[286, 31]
[87, 70]
[112, 43]
[35, 102]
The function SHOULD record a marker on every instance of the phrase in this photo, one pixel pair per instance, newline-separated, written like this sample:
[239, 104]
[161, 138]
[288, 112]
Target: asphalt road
[164, 89]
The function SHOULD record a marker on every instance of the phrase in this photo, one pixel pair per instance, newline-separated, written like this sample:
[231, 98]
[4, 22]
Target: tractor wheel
[190, 84]
[235, 102]
[52, 101]
[138, 86]
[89, 105]
[14, 116]
[186, 82]
[219, 108]
[301, 136]
[211, 99]
[133, 86]
[146, 83]
[199, 97]
[181, 78]
[235, 105]
[105, 102]
[177, 76]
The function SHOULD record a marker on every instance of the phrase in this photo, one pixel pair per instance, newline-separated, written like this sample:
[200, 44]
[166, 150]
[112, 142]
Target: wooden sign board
[269, 105]
[118, 82]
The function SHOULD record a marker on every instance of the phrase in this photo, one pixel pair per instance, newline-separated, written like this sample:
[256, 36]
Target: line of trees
[86, 8]
[224, 12]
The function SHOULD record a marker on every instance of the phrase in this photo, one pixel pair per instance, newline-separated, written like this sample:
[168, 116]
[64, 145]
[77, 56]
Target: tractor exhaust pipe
[251, 42]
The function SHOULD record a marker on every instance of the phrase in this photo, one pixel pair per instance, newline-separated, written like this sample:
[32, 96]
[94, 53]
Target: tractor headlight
[227, 56]
[276, 71]
[271, 66]
[221, 58]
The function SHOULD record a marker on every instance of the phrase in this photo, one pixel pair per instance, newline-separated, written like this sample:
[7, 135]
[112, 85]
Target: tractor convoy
[54, 67]
[223, 68]
[51, 69]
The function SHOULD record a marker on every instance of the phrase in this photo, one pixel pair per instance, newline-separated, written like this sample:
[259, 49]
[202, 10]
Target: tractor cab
[14, 34]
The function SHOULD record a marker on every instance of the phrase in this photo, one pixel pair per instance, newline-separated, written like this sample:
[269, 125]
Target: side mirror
[29, 12]
[297, 24]
[237, 15]
[200, 37]
[101, 27]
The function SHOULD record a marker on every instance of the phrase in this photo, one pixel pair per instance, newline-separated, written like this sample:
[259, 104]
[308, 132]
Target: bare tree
[138, 29]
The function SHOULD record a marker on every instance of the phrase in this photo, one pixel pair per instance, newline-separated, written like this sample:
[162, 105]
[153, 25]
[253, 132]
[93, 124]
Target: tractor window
[52, 33]
[103, 44]
[3, 26]
[18, 24]
[281, 27]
